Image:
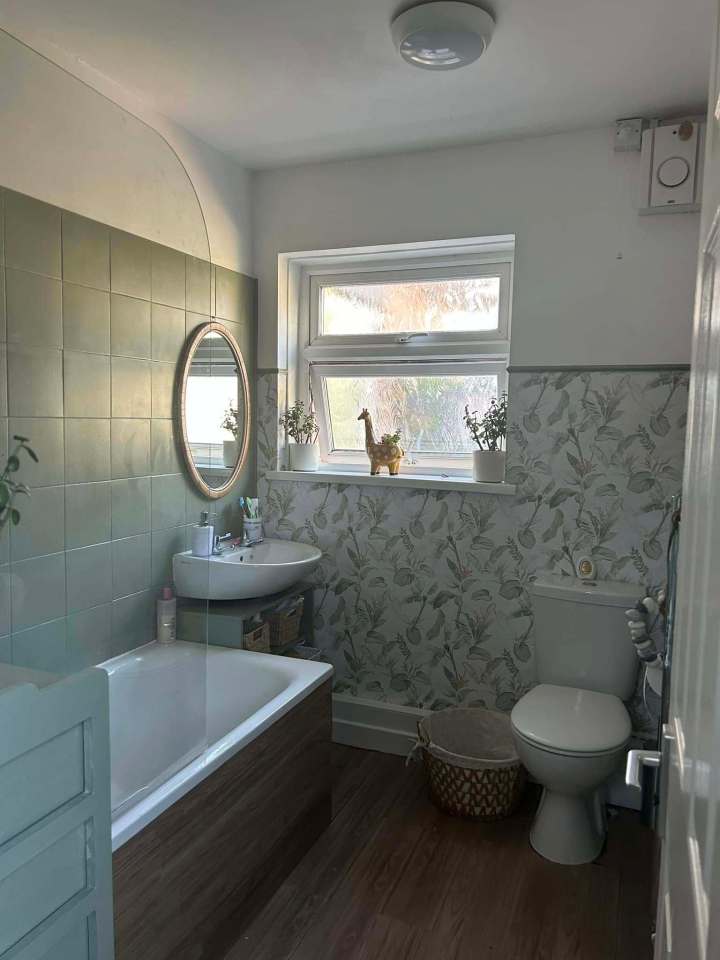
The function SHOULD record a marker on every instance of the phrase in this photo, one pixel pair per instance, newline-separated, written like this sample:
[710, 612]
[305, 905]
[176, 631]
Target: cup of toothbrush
[252, 521]
[253, 529]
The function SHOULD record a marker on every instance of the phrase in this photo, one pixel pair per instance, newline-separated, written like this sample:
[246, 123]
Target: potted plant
[303, 429]
[489, 432]
[10, 488]
[230, 447]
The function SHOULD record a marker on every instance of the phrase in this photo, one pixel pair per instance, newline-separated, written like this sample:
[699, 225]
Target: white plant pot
[304, 457]
[230, 452]
[488, 466]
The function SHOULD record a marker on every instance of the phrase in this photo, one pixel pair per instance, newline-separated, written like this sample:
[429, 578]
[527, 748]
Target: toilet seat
[571, 721]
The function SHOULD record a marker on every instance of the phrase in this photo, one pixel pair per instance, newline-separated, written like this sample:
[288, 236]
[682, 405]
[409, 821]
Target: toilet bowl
[570, 740]
[571, 731]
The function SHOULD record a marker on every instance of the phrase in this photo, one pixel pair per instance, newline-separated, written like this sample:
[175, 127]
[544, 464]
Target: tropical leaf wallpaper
[423, 596]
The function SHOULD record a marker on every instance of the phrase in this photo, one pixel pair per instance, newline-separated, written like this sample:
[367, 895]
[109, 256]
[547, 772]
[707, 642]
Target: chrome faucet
[217, 550]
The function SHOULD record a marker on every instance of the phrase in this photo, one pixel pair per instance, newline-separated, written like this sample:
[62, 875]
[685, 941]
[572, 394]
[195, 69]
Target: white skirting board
[374, 725]
[389, 728]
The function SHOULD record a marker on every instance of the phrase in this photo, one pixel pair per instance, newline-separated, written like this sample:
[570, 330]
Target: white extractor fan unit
[672, 163]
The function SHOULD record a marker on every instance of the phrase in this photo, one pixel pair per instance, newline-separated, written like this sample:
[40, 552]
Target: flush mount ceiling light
[443, 35]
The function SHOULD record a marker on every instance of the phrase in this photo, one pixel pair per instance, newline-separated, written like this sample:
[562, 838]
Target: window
[412, 339]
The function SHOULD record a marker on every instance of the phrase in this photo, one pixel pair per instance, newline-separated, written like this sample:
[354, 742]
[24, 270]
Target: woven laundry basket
[471, 762]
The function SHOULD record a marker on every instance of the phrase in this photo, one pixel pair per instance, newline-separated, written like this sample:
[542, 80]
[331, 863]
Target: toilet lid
[571, 719]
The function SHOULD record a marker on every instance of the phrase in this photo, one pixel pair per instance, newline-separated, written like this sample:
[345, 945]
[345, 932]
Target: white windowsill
[418, 481]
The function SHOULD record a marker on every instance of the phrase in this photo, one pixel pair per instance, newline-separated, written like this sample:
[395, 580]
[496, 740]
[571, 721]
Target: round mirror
[214, 405]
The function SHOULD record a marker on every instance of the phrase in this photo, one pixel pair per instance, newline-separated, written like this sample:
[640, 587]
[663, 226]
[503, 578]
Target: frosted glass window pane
[427, 410]
[435, 306]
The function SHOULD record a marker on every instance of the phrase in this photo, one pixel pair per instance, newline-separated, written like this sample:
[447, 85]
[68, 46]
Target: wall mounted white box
[671, 162]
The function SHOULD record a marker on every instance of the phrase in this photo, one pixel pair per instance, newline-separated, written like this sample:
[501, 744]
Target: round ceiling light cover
[443, 35]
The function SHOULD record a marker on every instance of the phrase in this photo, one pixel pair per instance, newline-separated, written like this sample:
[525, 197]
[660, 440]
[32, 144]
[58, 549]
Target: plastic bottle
[202, 536]
[166, 616]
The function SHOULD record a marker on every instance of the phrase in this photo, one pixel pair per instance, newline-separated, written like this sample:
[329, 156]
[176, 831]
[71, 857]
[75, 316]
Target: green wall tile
[130, 448]
[89, 636]
[130, 507]
[34, 309]
[130, 327]
[163, 386]
[89, 576]
[38, 591]
[130, 387]
[131, 565]
[34, 382]
[168, 501]
[197, 286]
[42, 527]
[87, 384]
[42, 647]
[130, 269]
[32, 235]
[168, 276]
[87, 450]
[87, 514]
[164, 454]
[86, 251]
[46, 439]
[86, 319]
[168, 333]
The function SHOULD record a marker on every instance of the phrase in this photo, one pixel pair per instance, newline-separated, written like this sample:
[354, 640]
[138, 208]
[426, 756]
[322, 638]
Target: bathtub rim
[307, 676]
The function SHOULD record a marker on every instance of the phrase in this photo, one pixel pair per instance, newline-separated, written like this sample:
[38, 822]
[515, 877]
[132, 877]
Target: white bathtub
[179, 711]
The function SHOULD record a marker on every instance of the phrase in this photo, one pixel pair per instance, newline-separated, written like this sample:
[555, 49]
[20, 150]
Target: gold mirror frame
[213, 493]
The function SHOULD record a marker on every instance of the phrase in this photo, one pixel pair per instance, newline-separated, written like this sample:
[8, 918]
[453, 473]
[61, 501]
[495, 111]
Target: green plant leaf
[531, 422]
[442, 598]
[505, 702]
[526, 538]
[511, 589]
[522, 651]
[641, 482]
[564, 493]
[403, 577]
[660, 425]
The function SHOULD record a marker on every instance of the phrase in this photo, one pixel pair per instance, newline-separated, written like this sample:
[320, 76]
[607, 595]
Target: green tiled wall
[92, 325]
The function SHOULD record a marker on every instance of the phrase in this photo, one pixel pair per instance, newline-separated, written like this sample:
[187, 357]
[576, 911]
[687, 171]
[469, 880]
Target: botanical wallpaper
[422, 596]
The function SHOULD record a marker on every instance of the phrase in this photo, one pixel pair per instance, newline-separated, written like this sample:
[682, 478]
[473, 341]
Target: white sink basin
[245, 572]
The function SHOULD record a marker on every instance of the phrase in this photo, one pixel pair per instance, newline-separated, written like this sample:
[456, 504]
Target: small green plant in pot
[302, 428]
[230, 447]
[488, 432]
[9, 487]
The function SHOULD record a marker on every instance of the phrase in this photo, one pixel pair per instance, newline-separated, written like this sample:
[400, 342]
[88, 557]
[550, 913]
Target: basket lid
[470, 736]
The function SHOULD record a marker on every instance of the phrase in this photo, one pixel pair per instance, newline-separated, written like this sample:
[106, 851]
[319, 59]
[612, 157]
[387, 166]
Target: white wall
[66, 143]
[594, 284]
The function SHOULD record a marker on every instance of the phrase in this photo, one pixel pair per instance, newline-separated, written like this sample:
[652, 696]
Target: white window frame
[313, 355]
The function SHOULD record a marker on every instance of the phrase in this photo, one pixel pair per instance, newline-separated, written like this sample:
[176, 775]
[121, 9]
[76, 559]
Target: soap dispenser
[202, 536]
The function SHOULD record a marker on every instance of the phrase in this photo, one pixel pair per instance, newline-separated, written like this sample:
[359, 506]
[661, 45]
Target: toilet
[572, 730]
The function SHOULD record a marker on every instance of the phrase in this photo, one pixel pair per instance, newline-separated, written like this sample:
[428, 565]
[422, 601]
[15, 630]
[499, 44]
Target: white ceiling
[274, 82]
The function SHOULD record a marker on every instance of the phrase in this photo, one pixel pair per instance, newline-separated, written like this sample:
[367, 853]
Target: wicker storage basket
[285, 626]
[471, 762]
[258, 640]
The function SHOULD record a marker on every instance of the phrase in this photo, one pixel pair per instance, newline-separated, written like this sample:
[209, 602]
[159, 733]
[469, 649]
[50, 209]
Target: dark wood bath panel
[187, 884]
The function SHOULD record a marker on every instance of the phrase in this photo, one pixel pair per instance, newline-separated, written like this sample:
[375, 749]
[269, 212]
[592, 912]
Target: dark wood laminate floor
[394, 879]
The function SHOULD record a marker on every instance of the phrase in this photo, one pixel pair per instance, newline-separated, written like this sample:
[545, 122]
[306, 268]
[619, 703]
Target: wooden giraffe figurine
[381, 454]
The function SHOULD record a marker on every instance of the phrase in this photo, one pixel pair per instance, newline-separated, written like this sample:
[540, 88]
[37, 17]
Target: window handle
[407, 337]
